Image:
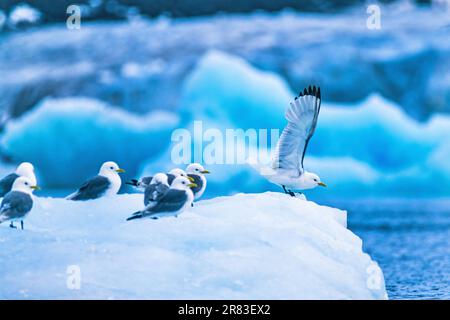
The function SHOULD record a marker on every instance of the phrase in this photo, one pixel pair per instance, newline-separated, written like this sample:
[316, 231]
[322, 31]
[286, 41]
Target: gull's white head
[26, 169]
[196, 168]
[177, 172]
[311, 180]
[160, 178]
[24, 184]
[182, 183]
[110, 168]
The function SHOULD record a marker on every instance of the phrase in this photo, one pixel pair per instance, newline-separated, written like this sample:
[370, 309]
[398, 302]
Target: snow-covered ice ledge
[247, 246]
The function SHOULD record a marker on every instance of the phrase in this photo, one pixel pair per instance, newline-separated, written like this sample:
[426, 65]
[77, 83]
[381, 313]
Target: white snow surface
[246, 246]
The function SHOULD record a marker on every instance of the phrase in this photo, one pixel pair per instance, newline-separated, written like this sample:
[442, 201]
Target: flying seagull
[156, 189]
[145, 181]
[197, 173]
[178, 198]
[18, 202]
[287, 168]
[107, 182]
[25, 169]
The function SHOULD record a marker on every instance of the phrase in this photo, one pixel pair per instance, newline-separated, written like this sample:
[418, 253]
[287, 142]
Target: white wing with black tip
[302, 118]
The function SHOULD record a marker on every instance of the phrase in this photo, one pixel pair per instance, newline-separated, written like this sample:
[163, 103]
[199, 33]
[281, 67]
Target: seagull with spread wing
[287, 168]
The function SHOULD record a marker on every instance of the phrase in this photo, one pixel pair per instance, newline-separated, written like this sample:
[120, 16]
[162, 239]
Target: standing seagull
[25, 169]
[197, 173]
[107, 182]
[175, 173]
[156, 189]
[18, 202]
[287, 168]
[178, 198]
[145, 181]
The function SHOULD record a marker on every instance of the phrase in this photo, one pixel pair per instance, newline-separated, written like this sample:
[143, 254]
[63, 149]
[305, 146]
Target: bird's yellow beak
[120, 170]
[191, 179]
[204, 171]
[192, 185]
[322, 184]
[35, 187]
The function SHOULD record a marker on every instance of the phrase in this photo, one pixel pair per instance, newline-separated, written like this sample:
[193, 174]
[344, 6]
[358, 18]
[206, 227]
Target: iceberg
[68, 139]
[23, 14]
[278, 247]
[348, 59]
[226, 87]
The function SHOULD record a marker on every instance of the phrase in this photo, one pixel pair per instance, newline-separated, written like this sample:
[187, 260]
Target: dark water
[410, 239]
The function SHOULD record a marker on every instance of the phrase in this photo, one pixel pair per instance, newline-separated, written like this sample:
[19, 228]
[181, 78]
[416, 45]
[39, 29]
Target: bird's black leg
[192, 204]
[284, 188]
[21, 224]
[292, 194]
[12, 225]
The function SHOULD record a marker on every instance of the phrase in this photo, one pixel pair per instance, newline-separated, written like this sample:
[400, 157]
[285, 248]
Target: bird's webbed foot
[11, 225]
[291, 193]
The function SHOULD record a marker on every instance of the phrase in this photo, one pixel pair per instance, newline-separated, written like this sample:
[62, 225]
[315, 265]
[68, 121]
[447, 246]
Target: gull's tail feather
[260, 167]
[136, 215]
[72, 196]
[133, 182]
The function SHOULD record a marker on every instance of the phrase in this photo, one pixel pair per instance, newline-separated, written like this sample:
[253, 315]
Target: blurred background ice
[116, 88]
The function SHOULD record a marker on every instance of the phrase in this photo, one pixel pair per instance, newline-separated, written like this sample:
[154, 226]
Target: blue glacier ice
[68, 139]
[223, 87]
[405, 61]
[371, 148]
[364, 149]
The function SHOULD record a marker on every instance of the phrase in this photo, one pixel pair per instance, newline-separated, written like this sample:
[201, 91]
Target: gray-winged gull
[25, 169]
[18, 202]
[172, 203]
[107, 182]
[145, 181]
[197, 173]
[156, 189]
[287, 168]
